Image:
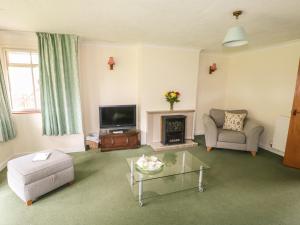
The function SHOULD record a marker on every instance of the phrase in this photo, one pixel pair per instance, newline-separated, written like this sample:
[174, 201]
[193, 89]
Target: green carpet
[241, 190]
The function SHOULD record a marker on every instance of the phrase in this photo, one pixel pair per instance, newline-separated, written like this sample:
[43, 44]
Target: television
[117, 116]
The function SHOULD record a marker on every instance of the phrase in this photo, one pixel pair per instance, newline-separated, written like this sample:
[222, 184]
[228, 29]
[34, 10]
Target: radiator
[281, 133]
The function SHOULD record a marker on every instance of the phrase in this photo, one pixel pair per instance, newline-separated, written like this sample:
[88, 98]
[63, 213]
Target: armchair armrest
[252, 131]
[210, 131]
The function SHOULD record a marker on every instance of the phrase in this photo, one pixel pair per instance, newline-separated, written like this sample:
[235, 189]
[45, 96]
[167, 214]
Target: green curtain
[7, 131]
[60, 99]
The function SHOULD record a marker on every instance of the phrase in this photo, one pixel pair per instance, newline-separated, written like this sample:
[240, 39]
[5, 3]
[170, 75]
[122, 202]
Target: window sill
[26, 112]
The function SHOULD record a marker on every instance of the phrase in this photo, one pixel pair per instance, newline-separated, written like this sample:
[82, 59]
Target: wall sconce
[111, 63]
[212, 68]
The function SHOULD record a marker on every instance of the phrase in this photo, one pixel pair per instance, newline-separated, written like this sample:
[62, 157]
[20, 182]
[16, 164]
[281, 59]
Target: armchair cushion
[231, 136]
[234, 121]
[218, 115]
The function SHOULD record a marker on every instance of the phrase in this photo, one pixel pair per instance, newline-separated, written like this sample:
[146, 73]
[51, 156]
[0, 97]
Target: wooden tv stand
[127, 140]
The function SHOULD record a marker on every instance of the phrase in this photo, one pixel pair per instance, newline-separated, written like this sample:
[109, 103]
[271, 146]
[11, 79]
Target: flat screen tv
[118, 116]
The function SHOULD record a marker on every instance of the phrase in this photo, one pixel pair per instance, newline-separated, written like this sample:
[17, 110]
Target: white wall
[211, 87]
[161, 69]
[6, 152]
[263, 81]
[101, 86]
[30, 139]
[141, 76]
[29, 126]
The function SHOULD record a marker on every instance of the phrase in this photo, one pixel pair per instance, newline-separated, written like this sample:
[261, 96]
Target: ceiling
[186, 23]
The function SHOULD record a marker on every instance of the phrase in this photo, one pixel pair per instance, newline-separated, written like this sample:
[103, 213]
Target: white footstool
[30, 180]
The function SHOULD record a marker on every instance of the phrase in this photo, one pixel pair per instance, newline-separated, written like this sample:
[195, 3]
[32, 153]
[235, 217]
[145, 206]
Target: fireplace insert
[173, 129]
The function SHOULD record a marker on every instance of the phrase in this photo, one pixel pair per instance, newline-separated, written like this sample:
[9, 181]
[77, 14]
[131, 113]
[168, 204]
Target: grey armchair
[217, 137]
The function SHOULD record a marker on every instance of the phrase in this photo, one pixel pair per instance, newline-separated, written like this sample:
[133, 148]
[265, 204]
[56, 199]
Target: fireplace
[173, 129]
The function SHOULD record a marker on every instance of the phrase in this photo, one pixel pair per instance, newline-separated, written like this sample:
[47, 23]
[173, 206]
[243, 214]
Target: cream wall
[211, 87]
[30, 139]
[29, 126]
[101, 86]
[141, 76]
[6, 152]
[161, 69]
[263, 81]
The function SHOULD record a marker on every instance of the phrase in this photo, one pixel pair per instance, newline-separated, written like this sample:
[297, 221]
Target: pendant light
[236, 36]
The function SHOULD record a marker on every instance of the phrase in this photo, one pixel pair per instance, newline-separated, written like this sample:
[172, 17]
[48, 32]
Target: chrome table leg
[200, 185]
[141, 191]
[131, 173]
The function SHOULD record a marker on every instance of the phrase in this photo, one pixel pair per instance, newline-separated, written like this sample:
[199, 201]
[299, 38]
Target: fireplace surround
[152, 131]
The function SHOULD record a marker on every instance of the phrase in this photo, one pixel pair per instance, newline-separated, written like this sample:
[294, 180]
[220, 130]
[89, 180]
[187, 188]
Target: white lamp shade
[236, 36]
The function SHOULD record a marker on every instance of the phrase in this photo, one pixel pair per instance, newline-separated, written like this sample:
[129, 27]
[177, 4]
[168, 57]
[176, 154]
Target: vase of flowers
[172, 97]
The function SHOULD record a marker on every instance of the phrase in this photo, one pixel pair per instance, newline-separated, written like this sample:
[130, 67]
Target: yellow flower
[173, 95]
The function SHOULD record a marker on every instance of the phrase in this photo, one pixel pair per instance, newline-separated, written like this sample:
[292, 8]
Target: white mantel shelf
[171, 111]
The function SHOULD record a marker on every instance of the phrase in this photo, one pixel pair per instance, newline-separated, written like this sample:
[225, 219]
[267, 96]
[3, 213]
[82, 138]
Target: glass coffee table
[181, 171]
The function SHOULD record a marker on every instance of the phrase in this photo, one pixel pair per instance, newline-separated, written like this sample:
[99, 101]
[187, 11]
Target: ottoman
[30, 180]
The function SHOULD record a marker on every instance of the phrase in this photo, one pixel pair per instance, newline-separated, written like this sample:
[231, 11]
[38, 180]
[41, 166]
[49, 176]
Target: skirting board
[273, 150]
[263, 146]
[3, 164]
[65, 150]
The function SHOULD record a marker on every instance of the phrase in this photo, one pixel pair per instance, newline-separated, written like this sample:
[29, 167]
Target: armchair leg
[209, 149]
[253, 153]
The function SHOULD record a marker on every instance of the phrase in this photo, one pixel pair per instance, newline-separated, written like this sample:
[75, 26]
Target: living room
[130, 53]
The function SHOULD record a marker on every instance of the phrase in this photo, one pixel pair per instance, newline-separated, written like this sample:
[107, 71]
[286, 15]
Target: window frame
[31, 66]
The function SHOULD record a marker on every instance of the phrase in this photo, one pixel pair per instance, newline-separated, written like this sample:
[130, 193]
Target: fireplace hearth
[173, 129]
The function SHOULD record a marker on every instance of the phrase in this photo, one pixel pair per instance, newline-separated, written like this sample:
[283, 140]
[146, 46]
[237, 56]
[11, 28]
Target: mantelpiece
[171, 112]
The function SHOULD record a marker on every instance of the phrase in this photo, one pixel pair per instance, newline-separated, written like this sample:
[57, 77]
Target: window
[23, 77]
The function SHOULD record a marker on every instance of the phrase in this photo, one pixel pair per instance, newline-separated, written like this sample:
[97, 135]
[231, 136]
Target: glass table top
[175, 163]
